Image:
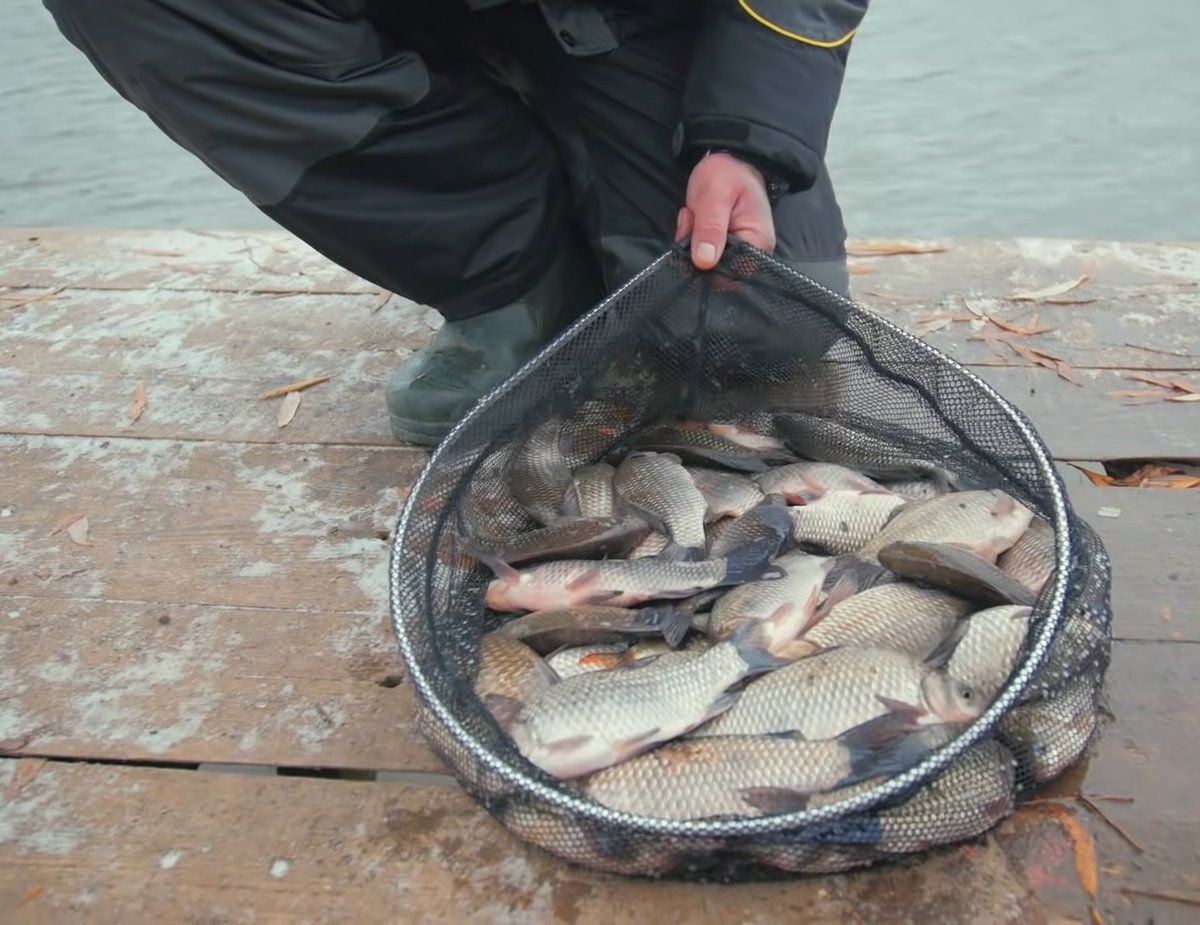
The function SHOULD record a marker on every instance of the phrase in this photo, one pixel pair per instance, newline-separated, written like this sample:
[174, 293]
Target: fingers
[683, 224]
[725, 196]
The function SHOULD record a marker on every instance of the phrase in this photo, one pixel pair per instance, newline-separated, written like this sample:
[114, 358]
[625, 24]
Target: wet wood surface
[227, 604]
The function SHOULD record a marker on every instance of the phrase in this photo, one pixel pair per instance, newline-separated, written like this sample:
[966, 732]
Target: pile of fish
[707, 624]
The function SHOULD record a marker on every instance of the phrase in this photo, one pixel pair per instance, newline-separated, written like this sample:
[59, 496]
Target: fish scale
[727, 494]
[537, 474]
[987, 522]
[902, 617]
[843, 521]
[594, 494]
[823, 696]
[510, 675]
[791, 600]
[986, 654]
[806, 480]
[1031, 559]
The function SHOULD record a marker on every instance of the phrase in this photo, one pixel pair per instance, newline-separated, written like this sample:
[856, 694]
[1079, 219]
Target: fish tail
[752, 640]
[885, 745]
[672, 622]
[751, 561]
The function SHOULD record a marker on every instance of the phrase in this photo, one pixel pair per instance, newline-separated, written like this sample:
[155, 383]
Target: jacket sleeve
[764, 82]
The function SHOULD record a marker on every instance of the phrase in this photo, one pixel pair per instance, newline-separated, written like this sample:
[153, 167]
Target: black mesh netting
[750, 335]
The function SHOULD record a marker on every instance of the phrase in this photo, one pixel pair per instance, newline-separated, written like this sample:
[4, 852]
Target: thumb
[709, 230]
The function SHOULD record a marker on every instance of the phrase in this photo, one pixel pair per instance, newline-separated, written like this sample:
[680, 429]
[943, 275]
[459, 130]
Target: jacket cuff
[778, 155]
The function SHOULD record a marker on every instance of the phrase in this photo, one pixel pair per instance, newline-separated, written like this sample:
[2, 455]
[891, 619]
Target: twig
[1157, 894]
[1111, 824]
[295, 387]
[1110, 798]
[1170, 353]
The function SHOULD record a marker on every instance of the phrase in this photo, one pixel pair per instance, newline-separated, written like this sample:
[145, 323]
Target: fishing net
[751, 335]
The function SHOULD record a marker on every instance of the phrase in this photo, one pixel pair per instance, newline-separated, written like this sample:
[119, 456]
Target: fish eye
[966, 693]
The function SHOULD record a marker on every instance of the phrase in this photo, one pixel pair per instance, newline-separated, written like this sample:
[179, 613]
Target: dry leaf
[1137, 393]
[973, 309]
[64, 523]
[287, 409]
[78, 532]
[33, 893]
[151, 252]
[383, 299]
[890, 248]
[139, 403]
[1085, 849]
[1096, 478]
[1152, 380]
[1170, 353]
[1065, 372]
[1049, 292]
[1184, 386]
[859, 269]
[295, 387]
[1191, 397]
[932, 326]
[1067, 301]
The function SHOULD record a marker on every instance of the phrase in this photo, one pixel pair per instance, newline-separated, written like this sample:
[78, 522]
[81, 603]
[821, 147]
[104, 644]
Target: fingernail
[706, 253]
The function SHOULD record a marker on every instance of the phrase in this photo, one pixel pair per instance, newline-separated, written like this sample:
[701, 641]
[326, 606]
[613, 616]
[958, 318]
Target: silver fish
[902, 617]
[768, 526]
[1031, 559]
[570, 538]
[803, 481]
[986, 653]
[724, 776]
[547, 631]
[537, 474]
[728, 494]
[510, 675]
[657, 487]
[594, 495]
[956, 570]
[788, 604]
[1050, 734]
[986, 521]
[753, 430]
[843, 521]
[701, 447]
[595, 720]
[825, 695]
[567, 663]
[919, 489]
[655, 544]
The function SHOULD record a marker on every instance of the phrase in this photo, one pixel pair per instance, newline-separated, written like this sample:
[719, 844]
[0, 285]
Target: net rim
[921, 772]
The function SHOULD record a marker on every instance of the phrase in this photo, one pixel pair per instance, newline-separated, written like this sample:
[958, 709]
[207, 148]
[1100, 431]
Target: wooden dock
[202, 714]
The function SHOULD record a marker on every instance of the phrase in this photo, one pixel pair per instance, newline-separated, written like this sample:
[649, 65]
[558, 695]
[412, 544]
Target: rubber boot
[433, 389]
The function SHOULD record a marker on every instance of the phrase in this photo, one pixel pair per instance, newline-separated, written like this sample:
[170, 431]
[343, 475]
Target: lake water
[957, 119]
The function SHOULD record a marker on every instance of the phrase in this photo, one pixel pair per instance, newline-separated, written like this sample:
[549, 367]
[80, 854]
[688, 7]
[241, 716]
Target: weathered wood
[239, 525]
[72, 364]
[217, 261]
[178, 683]
[237, 848]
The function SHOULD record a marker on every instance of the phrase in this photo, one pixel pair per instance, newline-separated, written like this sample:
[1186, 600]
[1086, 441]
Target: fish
[728, 494]
[789, 604]
[570, 538]
[724, 775]
[987, 522]
[985, 653]
[840, 522]
[919, 489]
[614, 582]
[901, 617]
[823, 696]
[701, 447]
[956, 570]
[967, 799]
[546, 631]
[654, 545]
[593, 486]
[769, 525]
[538, 475]
[803, 481]
[1031, 559]
[753, 430]
[510, 675]
[1048, 735]
[566, 663]
[859, 448]
[656, 487]
[595, 720]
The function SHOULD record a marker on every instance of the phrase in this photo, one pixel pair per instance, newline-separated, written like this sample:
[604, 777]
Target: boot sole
[419, 433]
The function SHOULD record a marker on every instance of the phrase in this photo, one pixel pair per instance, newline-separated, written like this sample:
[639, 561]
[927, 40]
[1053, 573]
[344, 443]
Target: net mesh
[845, 386]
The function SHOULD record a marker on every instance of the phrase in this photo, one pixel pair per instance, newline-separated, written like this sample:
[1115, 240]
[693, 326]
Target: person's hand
[725, 196]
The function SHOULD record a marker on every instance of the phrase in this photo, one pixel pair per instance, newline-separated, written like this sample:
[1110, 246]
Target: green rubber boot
[433, 389]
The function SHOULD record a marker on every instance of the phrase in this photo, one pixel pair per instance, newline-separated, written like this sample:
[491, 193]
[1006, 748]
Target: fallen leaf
[139, 403]
[1158, 894]
[287, 409]
[1049, 292]
[1152, 380]
[78, 532]
[859, 269]
[974, 309]
[295, 387]
[1136, 393]
[890, 248]
[384, 298]
[1065, 372]
[1067, 301]
[1192, 397]
[1184, 386]
[151, 252]
[33, 892]
[1085, 849]
[931, 327]
[64, 523]
[1096, 478]
[1170, 353]
[1024, 330]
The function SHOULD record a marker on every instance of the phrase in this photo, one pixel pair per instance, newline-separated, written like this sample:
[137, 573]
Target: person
[505, 162]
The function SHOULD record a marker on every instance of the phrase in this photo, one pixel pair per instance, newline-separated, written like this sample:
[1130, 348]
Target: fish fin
[580, 581]
[944, 650]
[752, 640]
[493, 561]
[774, 499]
[602, 661]
[908, 713]
[887, 744]
[774, 801]
[750, 561]
[719, 706]
[797, 649]
[673, 552]
[673, 622]
[504, 709]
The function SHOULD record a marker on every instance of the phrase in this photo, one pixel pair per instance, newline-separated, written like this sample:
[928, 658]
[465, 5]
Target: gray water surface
[965, 119]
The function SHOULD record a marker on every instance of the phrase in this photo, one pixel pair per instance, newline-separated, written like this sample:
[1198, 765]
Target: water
[957, 119]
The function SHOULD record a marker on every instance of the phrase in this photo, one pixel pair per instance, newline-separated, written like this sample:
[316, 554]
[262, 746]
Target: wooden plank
[1156, 589]
[1141, 294]
[218, 261]
[178, 683]
[324, 850]
[72, 363]
[177, 522]
[1084, 423]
